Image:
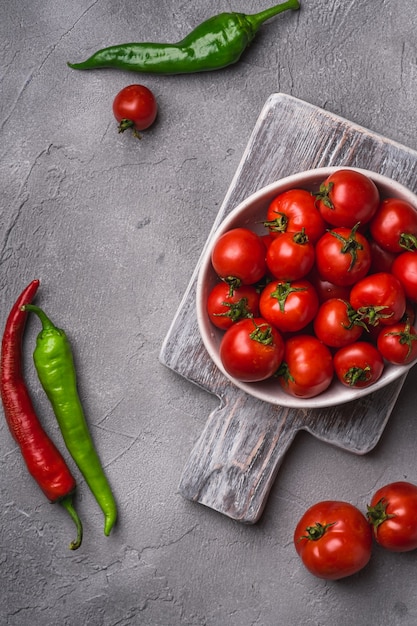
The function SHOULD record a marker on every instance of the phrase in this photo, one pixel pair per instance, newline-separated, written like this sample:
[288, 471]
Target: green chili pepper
[214, 44]
[55, 367]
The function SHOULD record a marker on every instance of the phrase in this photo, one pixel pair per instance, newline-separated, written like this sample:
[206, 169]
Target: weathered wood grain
[236, 459]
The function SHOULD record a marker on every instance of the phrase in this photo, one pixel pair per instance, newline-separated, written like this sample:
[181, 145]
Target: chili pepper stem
[257, 19]
[67, 504]
[46, 322]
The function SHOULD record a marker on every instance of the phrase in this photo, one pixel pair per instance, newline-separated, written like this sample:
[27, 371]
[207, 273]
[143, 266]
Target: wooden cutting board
[236, 459]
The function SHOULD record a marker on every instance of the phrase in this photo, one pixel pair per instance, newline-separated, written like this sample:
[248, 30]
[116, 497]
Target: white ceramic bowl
[251, 213]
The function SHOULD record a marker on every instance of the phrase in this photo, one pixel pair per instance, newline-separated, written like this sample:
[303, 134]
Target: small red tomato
[337, 323]
[382, 260]
[307, 367]
[393, 516]
[251, 350]
[404, 268]
[358, 364]
[326, 289]
[394, 226]
[267, 239]
[333, 540]
[347, 197]
[290, 256]
[135, 107]
[398, 343]
[226, 305]
[238, 257]
[292, 211]
[343, 256]
[380, 298]
[290, 306]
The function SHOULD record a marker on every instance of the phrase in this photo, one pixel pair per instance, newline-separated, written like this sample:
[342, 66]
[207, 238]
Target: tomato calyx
[405, 338]
[282, 292]
[355, 375]
[350, 245]
[301, 237]
[262, 334]
[279, 224]
[408, 241]
[233, 282]
[316, 532]
[355, 318]
[236, 310]
[125, 124]
[323, 194]
[373, 314]
[284, 373]
[377, 514]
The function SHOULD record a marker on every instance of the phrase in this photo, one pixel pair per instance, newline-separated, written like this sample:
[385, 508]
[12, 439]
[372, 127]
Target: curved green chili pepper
[55, 367]
[214, 44]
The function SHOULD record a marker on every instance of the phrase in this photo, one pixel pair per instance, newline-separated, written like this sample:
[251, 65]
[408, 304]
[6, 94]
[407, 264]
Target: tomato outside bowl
[251, 213]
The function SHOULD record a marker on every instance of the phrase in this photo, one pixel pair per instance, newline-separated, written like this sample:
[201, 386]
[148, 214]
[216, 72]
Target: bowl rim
[337, 393]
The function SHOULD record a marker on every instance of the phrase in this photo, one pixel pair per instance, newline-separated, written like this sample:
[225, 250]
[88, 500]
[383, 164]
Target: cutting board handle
[234, 463]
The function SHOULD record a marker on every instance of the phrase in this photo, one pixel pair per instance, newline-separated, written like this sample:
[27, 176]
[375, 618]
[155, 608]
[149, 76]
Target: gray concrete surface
[113, 227]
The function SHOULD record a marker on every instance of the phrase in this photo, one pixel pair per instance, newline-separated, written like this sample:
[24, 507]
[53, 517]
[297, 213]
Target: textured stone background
[113, 227]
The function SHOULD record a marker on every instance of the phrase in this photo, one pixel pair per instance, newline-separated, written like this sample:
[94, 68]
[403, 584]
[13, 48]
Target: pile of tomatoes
[334, 538]
[327, 291]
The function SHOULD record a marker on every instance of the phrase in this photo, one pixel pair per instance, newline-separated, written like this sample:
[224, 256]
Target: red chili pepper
[44, 461]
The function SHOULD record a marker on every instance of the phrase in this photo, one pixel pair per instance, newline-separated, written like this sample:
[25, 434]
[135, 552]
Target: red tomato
[358, 364]
[251, 350]
[398, 343]
[393, 516]
[343, 256]
[337, 323]
[347, 197]
[382, 260]
[333, 539]
[293, 210]
[405, 269]
[226, 305]
[267, 240]
[290, 256]
[135, 107]
[307, 367]
[289, 306]
[238, 257]
[380, 298]
[326, 289]
[394, 226]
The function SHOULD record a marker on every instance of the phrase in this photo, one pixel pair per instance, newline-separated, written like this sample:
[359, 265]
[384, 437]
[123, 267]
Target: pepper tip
[109, 523]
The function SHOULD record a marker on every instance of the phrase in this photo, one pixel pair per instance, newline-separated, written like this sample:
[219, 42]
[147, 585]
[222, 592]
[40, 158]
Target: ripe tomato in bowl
[270, 212]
